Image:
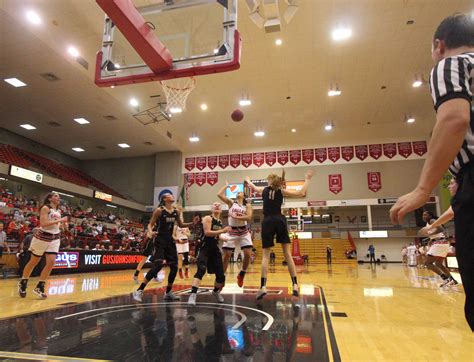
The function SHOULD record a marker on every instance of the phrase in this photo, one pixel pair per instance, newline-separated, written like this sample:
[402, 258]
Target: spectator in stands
[111, 248]
[97, 247]
[13, 227]
[371, 253]
[328, 254]
[3, 242]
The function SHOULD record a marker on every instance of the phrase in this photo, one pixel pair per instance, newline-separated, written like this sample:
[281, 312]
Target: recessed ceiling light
[245, 102]
[117, 66]
[15, 82]
[341, 33]
[110, 205]
[33, 17]
[73, 51]
[278, 42]
[133, 102]
[123, 145]
[78, 149]
[175, 110]
[194, 139]
[334, 92]
[410, 120]
[81, 120]
[293, 130]
[328, 126]
[27, 126]
[204, 106]
[417, 83]
[259, 134]
[216, 50]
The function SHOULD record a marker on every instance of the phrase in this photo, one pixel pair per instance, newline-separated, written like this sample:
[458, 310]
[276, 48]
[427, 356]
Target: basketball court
[181, 97]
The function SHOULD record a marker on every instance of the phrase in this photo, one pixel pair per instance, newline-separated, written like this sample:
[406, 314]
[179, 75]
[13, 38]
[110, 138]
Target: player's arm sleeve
[450, 79]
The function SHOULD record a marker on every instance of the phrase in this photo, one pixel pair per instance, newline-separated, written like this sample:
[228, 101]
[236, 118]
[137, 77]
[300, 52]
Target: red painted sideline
[132, 25]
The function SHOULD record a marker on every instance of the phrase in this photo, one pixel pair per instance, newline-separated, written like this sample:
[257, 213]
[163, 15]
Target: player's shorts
[165, 249]
[211, 259]
[274, 226]
[439, 249]
[39, 247]
[244, 241]
[182, 248]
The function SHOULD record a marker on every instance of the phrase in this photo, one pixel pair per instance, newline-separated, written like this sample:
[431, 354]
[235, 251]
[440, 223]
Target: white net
[176, 92]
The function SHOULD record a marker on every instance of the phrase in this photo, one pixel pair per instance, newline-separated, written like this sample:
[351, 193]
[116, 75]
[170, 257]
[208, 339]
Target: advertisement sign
[26, 174]
[66, 259]
[253, 196]
[233, 189]
[162, 190]
[102, 196]
[294, 185]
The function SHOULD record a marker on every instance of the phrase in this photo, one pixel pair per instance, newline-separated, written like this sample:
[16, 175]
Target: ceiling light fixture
[15, 82]
[278, 42]
[123, 145]
[78, 149]
[110, 205]
[245, 101]
[33, 17]
[27, 126]
[73, 51]
[259, 133]
[194, 138]
[334, 92]
[409, 119]
[341, 33]
[204, 107]
[329, 125]
[293, 130]
[133, 102]
[81, 120]
[418, 81]
[175, 110]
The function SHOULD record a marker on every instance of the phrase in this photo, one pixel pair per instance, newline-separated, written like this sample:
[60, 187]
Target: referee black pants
[463, 206]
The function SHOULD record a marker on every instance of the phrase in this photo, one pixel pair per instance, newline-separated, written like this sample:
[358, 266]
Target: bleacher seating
[15, 156]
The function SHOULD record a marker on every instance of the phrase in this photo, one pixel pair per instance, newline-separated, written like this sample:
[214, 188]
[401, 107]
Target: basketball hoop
[177, 91]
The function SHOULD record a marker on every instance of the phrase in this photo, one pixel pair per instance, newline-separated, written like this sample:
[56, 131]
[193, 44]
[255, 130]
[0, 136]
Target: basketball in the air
[237, 115]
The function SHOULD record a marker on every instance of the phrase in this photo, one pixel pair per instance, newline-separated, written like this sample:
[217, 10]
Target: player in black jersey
[210, 257]
[274, 224]
[164, 246]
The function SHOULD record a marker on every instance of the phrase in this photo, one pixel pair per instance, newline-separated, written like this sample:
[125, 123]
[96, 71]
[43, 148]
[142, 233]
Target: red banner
[282, 157]
[295, 156]
[308, 155]
[270, 158]
[375, 151]
[200, 163]
[200, 178]
[347, 152]
[235, 161]
[321, 154]
[212, 178]
[246, 159]
[212, 162]
[420, 148]
[258, 159]
[404, 149]
[189, 163]
[374, 180]
[334, 153]
[224, 161]
[389, 149]
[361, 152]
[189, 178]
[335, 183]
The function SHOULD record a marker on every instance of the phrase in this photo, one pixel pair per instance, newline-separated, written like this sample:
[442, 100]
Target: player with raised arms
[240, 213]
[274, 224]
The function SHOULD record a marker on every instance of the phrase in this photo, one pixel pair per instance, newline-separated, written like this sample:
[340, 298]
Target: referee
[452, 143]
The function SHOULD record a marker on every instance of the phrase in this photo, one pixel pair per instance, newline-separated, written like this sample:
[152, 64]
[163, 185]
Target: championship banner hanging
[404, 149]
[223, 161]
[212, 162]
[334, 153]
[189, 163]
[258, 159]
[361, 152]
[375, 151]
[200, 163]
[212, 178]
[270, 158]
[200, 178]
[246, 159]
[420, 148]
[295, 156]
[308, 155]
[389, 150]
[347, 152]
[282, 157]
[189, 179]
[335, 183]
[320, 154]
[374, 180]
[235, 161]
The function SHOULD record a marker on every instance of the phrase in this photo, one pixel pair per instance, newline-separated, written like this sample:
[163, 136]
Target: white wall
[390, 247]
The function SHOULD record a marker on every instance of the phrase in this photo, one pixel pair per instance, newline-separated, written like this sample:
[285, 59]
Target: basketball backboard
[151, 40]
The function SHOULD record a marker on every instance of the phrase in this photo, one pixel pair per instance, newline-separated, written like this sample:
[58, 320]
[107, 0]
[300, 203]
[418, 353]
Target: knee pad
[201, 270]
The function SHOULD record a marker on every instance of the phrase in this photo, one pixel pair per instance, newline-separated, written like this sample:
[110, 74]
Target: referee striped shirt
[453, 78]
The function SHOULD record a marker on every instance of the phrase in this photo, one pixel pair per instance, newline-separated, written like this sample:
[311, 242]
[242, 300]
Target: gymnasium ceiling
[384, 51]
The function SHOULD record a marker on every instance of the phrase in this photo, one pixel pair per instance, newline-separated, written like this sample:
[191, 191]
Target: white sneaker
[218, 296]
[169, 297]
[138, 295]
[192, 299]
[261, 293]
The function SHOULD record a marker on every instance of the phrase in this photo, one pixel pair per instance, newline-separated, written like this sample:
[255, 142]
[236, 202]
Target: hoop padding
[177, 91]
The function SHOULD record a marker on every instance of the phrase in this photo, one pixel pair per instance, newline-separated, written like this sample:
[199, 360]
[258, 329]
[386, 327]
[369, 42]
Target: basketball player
[210, 257]
[239, 214]
[46, 240]
[452, 141]
[274, 224]
[181, 236]
[164, 246]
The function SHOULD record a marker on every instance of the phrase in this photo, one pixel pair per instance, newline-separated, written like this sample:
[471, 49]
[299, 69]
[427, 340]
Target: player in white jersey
[240, 213]
[181, 236]
[45, 241]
